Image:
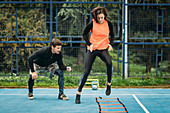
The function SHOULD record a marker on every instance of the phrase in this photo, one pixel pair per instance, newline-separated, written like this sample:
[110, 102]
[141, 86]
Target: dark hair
[99, 10]
[55, 42]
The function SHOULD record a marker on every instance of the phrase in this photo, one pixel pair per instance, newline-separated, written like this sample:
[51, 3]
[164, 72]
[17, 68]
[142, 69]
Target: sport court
[135, 100]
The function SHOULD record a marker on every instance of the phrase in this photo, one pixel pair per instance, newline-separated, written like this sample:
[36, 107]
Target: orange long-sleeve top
[99, 35]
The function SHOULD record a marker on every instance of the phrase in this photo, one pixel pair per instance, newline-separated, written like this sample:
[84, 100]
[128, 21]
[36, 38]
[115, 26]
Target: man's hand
[68, 68]
[34, 75]
[110, 47]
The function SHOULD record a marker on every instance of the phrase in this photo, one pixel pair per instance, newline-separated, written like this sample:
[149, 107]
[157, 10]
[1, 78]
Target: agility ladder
[113, 107]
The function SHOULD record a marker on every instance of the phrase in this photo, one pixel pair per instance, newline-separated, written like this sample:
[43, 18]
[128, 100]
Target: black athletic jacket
[44, 57]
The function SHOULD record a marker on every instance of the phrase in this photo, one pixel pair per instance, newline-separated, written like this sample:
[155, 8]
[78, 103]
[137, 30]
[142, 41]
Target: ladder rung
[112, 108]
[109, 104]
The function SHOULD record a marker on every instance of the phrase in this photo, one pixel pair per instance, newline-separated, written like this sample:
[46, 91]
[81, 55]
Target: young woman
[99, 45]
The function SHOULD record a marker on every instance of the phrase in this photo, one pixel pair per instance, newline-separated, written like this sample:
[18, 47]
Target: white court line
[85, 94]
[143, 107]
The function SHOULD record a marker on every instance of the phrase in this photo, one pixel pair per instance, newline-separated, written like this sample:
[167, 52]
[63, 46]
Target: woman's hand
[109, 47]
[91, 48]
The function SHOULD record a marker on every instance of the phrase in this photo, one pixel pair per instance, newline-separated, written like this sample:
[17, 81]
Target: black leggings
[90, 58]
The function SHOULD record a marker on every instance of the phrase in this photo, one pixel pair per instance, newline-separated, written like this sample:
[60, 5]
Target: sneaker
[77, 100]
[108, 90]
[63, 97]
[30, 96]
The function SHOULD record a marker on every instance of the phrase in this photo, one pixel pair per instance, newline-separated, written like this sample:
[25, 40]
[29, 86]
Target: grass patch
[73, 82]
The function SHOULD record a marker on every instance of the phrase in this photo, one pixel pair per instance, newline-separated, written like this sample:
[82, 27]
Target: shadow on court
[46, 101]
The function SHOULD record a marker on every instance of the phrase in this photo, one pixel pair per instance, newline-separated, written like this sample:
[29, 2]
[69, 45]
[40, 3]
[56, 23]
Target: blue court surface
[135, 100]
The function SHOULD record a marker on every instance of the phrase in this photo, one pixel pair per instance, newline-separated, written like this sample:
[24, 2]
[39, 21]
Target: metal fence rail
[136, 26]
[6, 61]
[142, 62]
[165, 62]
[72, 56]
